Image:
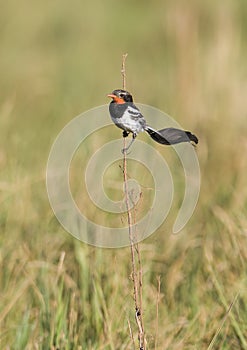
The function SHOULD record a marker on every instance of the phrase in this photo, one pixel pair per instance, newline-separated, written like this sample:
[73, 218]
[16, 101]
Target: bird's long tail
[171, 136]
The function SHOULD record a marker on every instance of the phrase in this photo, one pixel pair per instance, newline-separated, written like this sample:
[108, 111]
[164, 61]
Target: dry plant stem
[130, 226]
[211, 345]
[137, 278]
[140, 278]
[131, 335]
[157, 314]
[123, 71]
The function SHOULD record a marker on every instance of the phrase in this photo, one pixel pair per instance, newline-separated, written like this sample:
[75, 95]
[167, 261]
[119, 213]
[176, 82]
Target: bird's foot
[125, 150]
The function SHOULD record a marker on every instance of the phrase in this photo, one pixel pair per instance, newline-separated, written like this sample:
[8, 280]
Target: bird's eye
[121, 95]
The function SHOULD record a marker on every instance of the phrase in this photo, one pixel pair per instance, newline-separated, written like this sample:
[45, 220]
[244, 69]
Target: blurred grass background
[58, 59]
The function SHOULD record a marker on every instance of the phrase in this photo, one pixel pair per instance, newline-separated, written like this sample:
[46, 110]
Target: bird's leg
[125, 133]
[133, 139]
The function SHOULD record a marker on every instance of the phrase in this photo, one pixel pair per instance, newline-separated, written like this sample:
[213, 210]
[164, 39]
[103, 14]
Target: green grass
[60, 59]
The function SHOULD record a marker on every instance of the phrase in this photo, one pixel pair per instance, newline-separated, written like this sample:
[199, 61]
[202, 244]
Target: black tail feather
[192, 137]
[171, 136]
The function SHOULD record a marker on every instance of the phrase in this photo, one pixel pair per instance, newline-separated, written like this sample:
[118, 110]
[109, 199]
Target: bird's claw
[124, 150]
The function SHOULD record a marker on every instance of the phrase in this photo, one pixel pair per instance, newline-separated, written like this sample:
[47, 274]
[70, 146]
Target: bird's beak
[111, 96]
[116, 99]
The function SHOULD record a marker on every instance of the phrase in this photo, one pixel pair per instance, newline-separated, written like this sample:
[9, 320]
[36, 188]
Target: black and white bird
[128, 117]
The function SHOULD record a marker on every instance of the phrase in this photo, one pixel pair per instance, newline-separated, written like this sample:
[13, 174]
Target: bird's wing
[134, 112]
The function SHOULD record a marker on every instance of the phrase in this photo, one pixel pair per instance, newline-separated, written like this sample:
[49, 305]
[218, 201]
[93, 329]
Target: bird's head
[120, 96]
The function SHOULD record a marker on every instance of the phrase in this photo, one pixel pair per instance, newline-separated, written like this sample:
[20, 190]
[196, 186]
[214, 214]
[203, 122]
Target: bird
[127, 116]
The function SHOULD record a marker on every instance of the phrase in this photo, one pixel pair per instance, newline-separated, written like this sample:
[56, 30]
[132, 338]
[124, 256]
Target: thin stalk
[134, 247]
